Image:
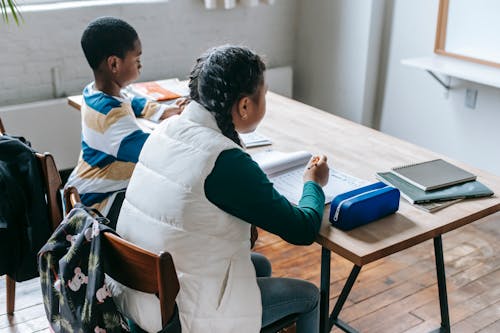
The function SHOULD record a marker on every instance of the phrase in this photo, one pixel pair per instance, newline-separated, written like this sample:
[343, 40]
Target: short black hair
[107, 36]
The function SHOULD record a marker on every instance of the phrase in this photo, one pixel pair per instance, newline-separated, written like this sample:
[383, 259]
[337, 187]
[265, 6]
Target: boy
[111, 136]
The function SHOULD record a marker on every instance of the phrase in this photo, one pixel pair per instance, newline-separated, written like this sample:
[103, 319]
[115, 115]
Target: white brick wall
[173, 33]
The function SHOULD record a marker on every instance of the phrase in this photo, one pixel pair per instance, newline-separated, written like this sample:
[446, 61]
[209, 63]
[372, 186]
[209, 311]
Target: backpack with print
[75, 296]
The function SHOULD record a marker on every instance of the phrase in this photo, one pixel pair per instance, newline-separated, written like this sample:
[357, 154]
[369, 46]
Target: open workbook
[162, 90]
[285, 170]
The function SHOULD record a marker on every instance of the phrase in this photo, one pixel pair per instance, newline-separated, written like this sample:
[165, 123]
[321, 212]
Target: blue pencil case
[363, 205]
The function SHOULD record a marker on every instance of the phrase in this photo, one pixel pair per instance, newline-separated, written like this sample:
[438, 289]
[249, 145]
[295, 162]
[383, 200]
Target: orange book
[154, 91]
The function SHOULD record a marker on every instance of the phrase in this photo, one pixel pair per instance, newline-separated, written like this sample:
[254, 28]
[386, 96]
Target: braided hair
[221, 77]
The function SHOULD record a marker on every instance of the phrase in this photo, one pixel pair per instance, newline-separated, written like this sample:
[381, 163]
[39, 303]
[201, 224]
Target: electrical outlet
[470, 98]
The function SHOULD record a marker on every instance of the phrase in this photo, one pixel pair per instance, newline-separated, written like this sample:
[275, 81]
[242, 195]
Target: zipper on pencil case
[337, 210]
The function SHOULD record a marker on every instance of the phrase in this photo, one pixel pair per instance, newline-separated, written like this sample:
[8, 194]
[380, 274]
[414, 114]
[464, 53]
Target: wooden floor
[396, 294]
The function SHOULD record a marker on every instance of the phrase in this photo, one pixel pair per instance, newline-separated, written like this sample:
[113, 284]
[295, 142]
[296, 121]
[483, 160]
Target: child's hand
[317, 170]
[182, 102]
[175, 108]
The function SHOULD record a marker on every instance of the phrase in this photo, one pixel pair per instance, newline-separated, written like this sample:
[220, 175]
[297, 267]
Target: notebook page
[340, 182]
[290, 184]
[272, 161]
[287, 170]
[176, 86]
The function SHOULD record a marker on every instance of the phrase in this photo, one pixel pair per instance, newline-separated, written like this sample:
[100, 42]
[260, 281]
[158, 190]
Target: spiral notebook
[432, 175]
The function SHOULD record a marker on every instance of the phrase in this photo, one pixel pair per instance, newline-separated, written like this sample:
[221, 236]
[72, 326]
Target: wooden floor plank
[28, 293]
[493, 328]
[466, 301]
[481, 319]
[34, 325]
[387, 288]
[22, 315]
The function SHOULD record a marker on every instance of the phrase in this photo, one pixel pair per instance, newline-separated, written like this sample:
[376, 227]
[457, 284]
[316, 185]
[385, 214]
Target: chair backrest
[53, 185]
[2, 129]
[136, 267]
[142, 270]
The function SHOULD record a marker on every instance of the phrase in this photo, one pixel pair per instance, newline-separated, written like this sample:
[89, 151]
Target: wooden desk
[361, 151]
[75, 101]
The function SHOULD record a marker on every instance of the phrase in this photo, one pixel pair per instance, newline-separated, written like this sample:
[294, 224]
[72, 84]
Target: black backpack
[24, 217]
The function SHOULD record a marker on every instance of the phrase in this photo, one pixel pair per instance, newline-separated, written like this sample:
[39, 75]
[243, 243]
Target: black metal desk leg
[441, 279]
[334, 318]
[324, 301]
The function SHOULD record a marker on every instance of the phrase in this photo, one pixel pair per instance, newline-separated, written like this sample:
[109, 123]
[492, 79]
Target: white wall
[337, 55]
[415, 107]
[173, 34]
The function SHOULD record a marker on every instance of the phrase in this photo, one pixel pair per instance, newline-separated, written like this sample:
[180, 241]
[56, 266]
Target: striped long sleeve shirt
[111, 143]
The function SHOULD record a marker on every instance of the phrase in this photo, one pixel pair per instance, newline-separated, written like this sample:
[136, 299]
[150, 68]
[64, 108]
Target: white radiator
[51, 126]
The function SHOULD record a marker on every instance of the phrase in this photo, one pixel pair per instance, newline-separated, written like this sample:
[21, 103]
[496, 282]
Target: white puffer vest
[166, 210]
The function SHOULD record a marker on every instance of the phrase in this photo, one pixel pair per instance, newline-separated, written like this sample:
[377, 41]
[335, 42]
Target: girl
[195, 193]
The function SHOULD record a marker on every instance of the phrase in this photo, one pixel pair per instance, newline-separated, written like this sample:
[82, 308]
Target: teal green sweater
[239, 187]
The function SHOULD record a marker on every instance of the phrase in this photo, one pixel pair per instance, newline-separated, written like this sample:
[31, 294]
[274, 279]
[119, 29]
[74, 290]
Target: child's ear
[243, 105]
[113, 64]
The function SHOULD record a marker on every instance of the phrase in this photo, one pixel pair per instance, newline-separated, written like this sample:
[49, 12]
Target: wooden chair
[136, 267]
[53, 184]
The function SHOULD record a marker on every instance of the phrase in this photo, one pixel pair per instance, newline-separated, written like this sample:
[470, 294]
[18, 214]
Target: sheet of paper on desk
[176, 86]
[165, 91]
[285, 170]
[254, 139]
[290, 184]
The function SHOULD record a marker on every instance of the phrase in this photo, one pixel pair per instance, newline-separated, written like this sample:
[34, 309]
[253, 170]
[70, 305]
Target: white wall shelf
[461, 69]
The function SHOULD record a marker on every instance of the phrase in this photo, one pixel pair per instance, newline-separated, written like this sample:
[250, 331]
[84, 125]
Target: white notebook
[285, 170]
[432, 175]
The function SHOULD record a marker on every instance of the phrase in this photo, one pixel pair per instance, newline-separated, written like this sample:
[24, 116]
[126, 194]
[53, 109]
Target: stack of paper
[436, 199]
